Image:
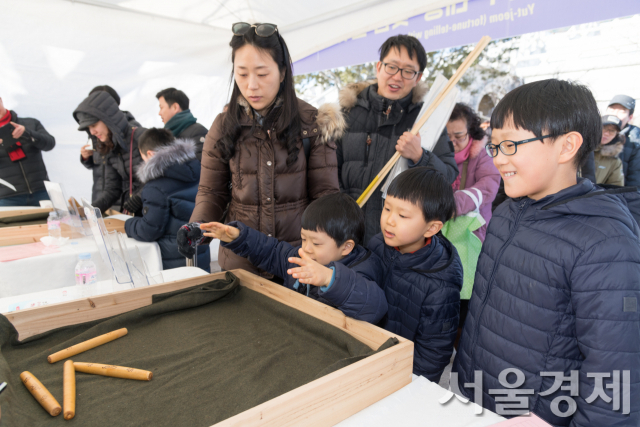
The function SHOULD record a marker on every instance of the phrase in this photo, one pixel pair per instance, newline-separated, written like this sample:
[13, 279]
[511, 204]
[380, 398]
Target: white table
[68, 293]
[57, 270]
[417, 404]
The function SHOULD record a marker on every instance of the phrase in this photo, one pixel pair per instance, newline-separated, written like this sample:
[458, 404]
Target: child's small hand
[219, 231]
[310, 272]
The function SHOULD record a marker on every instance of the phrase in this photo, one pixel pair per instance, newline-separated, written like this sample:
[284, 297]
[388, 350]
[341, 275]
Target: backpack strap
[133, 130]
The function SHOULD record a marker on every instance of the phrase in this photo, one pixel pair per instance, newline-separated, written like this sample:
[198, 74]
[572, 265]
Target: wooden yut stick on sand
[421, 121]
[69, 390]
[87, 345]
[40, 393]
[113, 371]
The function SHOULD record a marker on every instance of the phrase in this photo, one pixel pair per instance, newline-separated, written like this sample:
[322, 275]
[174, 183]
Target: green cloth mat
[215, 350]
[25, 219]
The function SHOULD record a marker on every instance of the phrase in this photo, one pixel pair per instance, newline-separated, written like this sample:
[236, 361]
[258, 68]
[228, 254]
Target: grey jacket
[370, 117]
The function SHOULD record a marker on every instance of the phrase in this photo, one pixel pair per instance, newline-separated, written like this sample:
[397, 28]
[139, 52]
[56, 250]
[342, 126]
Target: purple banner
[465, 22]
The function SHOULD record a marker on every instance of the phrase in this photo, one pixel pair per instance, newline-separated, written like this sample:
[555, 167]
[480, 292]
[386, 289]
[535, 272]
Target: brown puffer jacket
[608, 164]
[265, 193]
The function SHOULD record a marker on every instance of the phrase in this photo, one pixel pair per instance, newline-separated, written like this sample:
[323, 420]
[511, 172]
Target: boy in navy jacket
[170, 174]
[423, 272]
[331, 266]
[555, 298]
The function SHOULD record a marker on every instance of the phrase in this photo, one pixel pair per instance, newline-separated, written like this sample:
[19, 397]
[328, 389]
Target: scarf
[178, 123]
[4, 120]
[461, 157]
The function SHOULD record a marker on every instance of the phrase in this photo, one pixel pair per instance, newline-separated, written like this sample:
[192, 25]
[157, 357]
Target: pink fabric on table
[13, 253]
[483, 175]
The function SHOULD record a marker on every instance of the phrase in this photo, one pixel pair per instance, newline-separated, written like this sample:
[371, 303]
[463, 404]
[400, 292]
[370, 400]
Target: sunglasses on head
[262, 30]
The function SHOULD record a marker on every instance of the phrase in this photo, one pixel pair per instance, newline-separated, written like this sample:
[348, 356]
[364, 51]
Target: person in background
[170, 175]
[176, 116]
[475, 166]
[623, 107]
[608, 165]
[379, 114]
[117, 141]
[91, 158]
[22, 170]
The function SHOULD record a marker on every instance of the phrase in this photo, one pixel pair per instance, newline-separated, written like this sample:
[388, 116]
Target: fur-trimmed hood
[477, 146]
[348, 96]
[612, 149]
[326, 121]
[181, 151]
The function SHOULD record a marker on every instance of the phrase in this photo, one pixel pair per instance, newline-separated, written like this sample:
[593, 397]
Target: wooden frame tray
[323, 402]
[23, 234]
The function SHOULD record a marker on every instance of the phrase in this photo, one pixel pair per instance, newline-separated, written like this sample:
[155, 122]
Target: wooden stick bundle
[69, 390]
[87, 345]
[41, 394]
[113, 371]
[484, 41]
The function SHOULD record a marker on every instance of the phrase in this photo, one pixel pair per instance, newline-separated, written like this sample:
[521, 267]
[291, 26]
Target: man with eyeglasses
[379, 114]
[623, 106]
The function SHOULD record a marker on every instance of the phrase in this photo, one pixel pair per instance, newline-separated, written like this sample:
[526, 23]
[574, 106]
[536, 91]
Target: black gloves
[133, 205]
[189, 236]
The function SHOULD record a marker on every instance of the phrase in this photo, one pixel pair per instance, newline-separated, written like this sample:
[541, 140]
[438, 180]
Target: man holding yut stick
[380, 113]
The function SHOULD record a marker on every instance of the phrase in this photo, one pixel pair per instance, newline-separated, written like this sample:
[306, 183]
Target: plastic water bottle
[53, 225]
[86, 273]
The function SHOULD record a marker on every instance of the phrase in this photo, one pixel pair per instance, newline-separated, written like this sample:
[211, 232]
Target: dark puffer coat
[557, 290]
[423, 294]
[354, 291]
[358, 162]
[266, 193]
[170, 181]
[123, 158]
[97, 162]
[197, 133]
[26, 175]
[630, 156]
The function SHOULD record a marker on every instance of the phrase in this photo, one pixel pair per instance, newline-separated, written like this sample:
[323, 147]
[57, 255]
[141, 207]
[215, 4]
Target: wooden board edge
[20, 212]
[334, 397]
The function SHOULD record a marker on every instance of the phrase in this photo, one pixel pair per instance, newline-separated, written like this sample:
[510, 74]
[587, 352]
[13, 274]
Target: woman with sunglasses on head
[476, 167]
[269, 155]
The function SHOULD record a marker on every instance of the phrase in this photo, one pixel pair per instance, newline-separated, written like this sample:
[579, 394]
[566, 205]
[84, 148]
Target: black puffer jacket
[97, 162]
[197, 133]
[630, 156]
[358, 162]
[123, 158]
[26, 175]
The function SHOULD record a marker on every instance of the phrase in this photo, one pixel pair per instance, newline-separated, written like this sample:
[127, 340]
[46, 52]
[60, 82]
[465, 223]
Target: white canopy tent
[53, 52]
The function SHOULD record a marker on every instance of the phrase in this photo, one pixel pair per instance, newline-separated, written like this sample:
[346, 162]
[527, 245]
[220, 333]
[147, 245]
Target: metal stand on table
[193, 262]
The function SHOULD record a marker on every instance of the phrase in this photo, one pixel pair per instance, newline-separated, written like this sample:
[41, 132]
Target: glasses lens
[240, 28]
[408, 74]
[508, 147]
[265, 30]
[391, 69]
[492, 150]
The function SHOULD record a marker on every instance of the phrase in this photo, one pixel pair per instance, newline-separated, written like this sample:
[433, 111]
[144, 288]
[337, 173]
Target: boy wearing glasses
[379, 114]
[555, 299]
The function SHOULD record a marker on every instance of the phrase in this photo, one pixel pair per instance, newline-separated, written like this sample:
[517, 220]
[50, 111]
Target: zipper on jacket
[523, 204]
[25, 177]
[366, 152]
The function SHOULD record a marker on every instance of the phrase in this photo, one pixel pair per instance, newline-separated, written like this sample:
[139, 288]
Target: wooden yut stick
[69, 390]
[113, 371]
[475, 53]
[40, 393]
[87, 345]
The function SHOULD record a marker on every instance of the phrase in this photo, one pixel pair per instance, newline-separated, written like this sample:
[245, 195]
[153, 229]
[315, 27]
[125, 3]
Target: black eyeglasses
[263, 30]
[509, 148]
[406, 73]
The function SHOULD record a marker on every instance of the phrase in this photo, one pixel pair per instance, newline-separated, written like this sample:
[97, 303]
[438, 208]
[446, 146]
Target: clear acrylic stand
[126, 263]
[71, 217]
